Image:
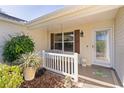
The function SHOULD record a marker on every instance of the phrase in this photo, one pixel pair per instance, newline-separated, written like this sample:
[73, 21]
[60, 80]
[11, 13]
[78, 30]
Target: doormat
[100, 73]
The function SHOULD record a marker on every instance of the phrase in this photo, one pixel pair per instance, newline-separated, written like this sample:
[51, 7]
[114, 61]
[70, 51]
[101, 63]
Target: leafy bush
[10, 76]
[16, 46]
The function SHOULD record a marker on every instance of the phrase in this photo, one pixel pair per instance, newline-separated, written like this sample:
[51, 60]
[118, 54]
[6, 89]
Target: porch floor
[97, 76]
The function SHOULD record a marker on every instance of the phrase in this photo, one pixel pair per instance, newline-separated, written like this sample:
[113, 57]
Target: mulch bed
[48, 79]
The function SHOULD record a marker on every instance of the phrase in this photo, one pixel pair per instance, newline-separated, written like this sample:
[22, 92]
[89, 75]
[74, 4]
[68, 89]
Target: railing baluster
[52, 60]
[68, 66]
[60, 63]
[65, 65]
[43, 57]
[49, 61]
[55, 62]
[46, 60]
[71, 65]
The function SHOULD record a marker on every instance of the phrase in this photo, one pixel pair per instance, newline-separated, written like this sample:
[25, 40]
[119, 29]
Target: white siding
[119, 44]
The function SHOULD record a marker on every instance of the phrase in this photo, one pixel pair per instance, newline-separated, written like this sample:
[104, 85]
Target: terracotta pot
[29, 73]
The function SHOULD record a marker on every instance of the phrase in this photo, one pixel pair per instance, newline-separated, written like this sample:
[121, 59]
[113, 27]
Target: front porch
[97, 76]
[86, 76]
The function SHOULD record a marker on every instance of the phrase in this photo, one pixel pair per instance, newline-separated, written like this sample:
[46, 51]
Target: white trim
[110, 49]
[113, 47]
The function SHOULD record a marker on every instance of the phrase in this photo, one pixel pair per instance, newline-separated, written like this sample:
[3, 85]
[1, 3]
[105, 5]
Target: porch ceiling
[77, 18]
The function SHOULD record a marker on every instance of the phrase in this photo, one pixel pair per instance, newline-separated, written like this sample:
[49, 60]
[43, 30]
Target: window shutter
[77, 41]
[52, 41]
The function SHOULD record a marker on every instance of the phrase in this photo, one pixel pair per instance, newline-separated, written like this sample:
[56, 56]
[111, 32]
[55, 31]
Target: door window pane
[101, 45]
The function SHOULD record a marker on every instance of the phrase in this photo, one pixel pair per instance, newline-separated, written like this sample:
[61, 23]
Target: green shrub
[16, 46]
[10, 76]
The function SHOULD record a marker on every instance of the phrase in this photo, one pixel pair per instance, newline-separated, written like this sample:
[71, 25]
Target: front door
[102, 47]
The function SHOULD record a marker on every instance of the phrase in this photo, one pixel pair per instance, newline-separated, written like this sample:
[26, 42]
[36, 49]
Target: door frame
[110, 47]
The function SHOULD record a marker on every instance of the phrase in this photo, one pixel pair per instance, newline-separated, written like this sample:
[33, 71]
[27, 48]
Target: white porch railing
[65, 64]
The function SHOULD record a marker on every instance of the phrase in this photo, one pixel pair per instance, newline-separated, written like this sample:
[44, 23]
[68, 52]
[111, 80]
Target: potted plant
[30, 63]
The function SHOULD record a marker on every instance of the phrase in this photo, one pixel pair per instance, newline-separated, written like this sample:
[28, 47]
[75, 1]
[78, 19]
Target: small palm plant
[68, 82]
[30, 62]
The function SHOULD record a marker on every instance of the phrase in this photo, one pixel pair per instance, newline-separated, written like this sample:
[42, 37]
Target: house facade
[94, 32]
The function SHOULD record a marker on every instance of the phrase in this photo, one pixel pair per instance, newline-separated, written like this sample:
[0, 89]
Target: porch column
[76, 67]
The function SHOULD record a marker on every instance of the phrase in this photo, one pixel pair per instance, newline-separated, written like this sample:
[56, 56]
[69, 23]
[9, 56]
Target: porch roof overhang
[75, 14]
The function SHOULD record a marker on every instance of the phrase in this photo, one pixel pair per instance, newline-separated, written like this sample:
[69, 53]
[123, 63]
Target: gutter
[12, 21]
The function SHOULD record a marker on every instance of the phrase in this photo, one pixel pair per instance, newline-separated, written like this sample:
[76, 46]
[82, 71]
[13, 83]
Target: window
[68, 41]
[58, 41]
[101, 45]
[64, 41]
